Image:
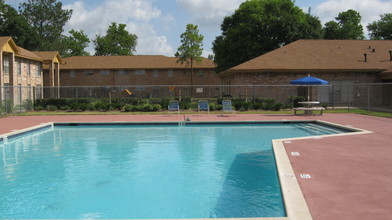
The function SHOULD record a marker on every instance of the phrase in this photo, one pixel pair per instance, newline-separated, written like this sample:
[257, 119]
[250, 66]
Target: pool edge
[17, 133]
[294, 201]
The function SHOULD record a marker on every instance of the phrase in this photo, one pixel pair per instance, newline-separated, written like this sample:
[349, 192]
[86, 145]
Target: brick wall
[137, 77]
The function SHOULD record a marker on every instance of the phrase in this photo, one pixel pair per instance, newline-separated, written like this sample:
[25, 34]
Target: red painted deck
[351, 175]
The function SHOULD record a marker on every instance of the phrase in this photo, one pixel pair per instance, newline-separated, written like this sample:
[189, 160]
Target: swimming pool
[146, 171]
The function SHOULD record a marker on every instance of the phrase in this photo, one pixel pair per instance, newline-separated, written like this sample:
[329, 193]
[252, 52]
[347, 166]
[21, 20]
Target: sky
[159, 23]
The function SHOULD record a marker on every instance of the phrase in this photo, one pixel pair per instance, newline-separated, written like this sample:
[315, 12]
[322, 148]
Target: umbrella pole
[308, 93]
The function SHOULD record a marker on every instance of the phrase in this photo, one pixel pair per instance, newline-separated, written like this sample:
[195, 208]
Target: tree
[191, 47]
[117, 41]
[381, 29]
[260, 26]
[48, 19]
[15, 25]
[348, 26]
[76, 44]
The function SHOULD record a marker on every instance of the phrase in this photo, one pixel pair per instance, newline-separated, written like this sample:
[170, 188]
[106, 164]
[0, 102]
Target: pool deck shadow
[248, 176]
[351, 176]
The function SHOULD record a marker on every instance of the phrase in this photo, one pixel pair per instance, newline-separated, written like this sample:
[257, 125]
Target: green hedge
[131, 104]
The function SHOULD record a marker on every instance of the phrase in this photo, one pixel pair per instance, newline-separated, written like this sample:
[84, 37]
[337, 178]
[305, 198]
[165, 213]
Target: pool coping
[293, 198]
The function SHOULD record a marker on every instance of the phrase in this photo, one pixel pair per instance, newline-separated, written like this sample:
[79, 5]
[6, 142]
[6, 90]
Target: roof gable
[52, 56]
[8, 45]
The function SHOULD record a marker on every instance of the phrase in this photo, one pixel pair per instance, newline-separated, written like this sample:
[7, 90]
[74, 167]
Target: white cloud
[148, 40]
[137, 14]
[210, 13]
[370, 10]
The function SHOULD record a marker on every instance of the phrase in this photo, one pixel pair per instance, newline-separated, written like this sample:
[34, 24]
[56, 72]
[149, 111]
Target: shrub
[127, 108]
[51, 108]
[28, 104]
[215, 107]
[295, 99]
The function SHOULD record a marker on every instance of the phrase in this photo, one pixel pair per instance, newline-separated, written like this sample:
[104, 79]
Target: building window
[201, 72]
[170, 73]
[88, 72]
[122, 72]
[38, 92]
[19, 61]
[104, 72]
[29, 91]
[39, 69]
[139, 72]
[140, 88]
[6, 64]
[72, 74]
[20, 92]
[155, 73]
[28, 68]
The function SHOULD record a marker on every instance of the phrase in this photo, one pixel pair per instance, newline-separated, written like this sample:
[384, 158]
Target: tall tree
[381, 29]
[48, 18]
[76, 44]
[260, 26]
[15, 25]
[348, 26]
[117, 41]
[191, 47]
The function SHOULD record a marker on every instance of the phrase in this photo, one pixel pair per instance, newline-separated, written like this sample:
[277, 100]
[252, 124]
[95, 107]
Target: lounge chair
[203, 106]
[173, 106]
[227, 107]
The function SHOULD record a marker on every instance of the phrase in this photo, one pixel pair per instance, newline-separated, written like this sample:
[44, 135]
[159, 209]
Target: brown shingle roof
[129, 62]
[28, 54]
[46, 55]
[322, 55]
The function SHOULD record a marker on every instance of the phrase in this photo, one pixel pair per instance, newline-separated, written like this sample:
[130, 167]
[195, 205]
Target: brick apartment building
[23, 73]
[143, 75]
[341, 62]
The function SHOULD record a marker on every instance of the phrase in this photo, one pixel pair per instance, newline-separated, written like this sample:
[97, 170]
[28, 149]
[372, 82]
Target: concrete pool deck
[351, 176]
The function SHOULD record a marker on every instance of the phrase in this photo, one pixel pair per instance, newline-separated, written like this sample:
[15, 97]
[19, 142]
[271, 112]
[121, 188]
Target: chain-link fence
[377, 96]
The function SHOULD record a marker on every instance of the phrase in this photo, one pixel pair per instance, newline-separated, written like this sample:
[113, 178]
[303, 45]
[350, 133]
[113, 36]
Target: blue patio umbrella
[309, 80]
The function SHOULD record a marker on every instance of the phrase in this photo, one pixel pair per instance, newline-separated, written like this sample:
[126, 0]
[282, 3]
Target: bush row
[156, 104]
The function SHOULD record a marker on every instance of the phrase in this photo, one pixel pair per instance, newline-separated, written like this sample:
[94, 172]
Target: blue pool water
[139, 172]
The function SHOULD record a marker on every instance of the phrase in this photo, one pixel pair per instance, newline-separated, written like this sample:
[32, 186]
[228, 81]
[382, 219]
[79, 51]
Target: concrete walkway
[351, 175]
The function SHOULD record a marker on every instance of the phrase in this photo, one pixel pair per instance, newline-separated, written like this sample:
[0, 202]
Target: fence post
[348, 93]
[20, 98]
[333, 97]
[368, 102]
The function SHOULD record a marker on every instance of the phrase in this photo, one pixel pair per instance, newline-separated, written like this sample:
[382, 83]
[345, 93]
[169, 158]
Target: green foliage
[215, 107]
[15, 25]
[28, 104]
[8, 106]
[48, 18]
[295, 99]
[241, 104]
[191, 47]
[381, 29]
[348, 27]
[51, 108]
[117, 41]
[76, 43]
[260, 26]
[133, 104]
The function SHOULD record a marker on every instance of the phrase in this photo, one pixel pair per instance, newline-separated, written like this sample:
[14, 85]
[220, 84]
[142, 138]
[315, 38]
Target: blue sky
[159, 23]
